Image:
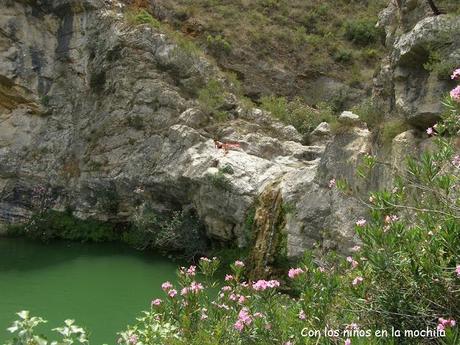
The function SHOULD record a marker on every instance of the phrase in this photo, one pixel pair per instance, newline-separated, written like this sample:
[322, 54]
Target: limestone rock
[323, 129]
[412, 80]
[349, 118]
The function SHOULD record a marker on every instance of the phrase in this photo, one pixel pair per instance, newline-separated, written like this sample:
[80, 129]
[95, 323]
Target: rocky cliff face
[424, 49]
[104, 115]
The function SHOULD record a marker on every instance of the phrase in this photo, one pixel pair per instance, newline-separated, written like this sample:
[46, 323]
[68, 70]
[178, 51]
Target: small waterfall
[268, 221]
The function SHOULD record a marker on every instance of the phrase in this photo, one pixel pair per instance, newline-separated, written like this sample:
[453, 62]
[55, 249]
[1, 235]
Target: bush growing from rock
[361, 32]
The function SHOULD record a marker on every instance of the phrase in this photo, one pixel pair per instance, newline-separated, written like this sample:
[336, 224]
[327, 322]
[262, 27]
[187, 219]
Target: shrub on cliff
[296, 113]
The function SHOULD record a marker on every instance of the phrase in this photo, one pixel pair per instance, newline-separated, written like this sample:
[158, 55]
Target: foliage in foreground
[405, 275]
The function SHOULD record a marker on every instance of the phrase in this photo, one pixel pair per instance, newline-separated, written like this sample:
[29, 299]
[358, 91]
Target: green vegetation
[219, 180]
[136, 122]
[297, 113]
[141, 16]
[218, 45]
[51, 225]
[175, 231]
[282, 33]
[391, 129]
[97, 81]
[441, 67]
[369, 113]
[361, 32]
[212, 99]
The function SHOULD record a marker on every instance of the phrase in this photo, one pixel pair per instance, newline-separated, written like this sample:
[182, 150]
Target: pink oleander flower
[196, 287]
[302, 315]
[430, 131]
[233, 297]
[391, 219]
[241, 299]
[258, 314]
[262, 285]
[445, 323]
[156, 302]
[455, 94]
[321, 269]
[356, 249]
[353, 263]
[357, 281]
[456, 74]
[228, 277]
[352, 326]
[226, 288]
[457, 270]
[184, 291]
[239, 263]
[361, 222]
[205, 259]
[294, 272]
[244, 284]
[239, 326]
[191, 271]
[172, 293]
[347, 342]
[166, 286]
[133, 339]
[244, 317]
[273, 284]
[456, 161]
[332, 183]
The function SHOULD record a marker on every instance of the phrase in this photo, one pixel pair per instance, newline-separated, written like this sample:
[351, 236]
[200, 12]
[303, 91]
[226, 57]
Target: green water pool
[102, 286]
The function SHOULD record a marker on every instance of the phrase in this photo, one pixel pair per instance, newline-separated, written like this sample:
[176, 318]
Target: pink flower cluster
[166, 286]
[457, 270]
[294, 272]
[332, 183]
[455, 94]
[356, 249]
[353, 262]
[237, 298]
[244, 319]
[156, 302]
[445, 323]
[456, 74]
[347, 342]
[391, 219]
[133, 339]
[361, 222]
[302, 315]
[456, 161]
[193, 288]
[262, 285]
[357, 281]
[239, 263]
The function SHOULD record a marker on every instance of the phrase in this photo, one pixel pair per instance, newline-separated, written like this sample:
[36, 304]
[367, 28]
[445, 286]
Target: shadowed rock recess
[93, 109]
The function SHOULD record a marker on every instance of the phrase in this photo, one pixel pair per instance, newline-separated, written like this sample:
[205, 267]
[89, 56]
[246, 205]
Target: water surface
[102, 286]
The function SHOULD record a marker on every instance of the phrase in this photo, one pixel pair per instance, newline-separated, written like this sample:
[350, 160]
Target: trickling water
[103, 286]
[267, 222]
